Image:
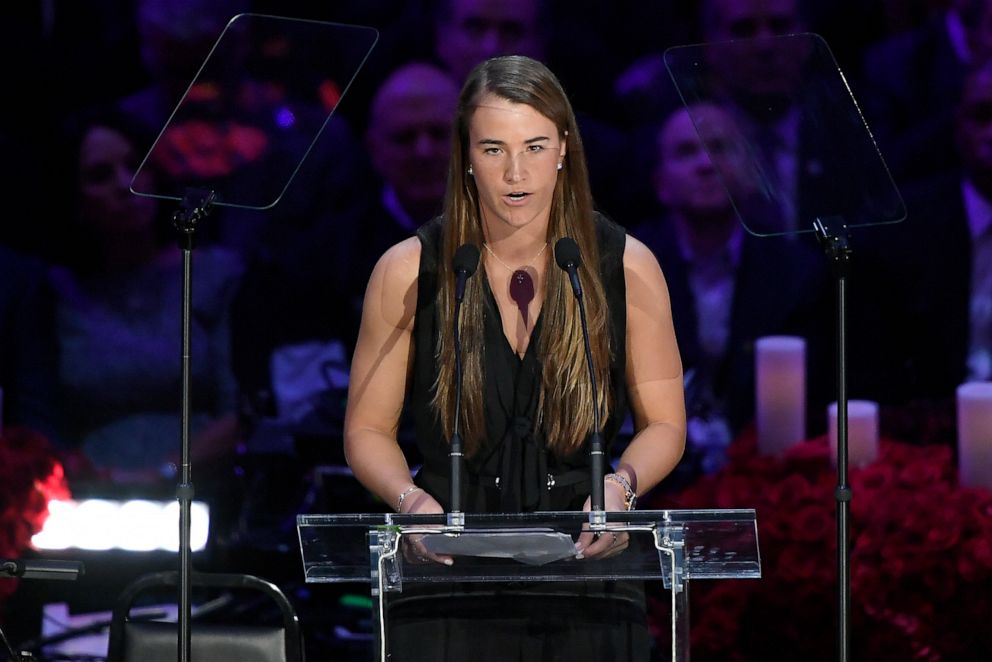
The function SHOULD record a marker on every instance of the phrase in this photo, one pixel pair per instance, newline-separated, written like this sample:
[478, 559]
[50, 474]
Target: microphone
[41, 569]
[464, 264]
[567, 257]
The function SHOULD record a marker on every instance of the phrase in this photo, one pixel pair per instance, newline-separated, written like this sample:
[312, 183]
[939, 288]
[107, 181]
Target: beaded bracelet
[629, 496]
[407, 492]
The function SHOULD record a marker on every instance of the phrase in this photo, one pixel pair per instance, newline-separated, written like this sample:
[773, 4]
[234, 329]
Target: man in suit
[912, 84]
[727, 287]
[926, 285]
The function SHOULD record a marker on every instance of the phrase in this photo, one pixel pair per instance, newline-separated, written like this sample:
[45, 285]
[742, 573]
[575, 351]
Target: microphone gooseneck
[464, 264]
[568, 258]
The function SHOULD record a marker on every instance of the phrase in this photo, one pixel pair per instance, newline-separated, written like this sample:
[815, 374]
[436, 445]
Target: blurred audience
[925, 309]
[175, 38]
[466, 32]
[28, 351]
[912, 84]
[317, 296]
[118, 320]
[727, 287]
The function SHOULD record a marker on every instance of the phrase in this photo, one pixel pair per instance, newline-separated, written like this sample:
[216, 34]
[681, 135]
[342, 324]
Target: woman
[517, 183]
[118, 309]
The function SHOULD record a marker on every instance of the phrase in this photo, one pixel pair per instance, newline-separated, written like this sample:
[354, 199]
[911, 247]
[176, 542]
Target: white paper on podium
[530, 546]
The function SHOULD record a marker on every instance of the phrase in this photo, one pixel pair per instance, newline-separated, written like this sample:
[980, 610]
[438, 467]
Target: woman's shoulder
[642, 272]
[637, 255]
[400, 265]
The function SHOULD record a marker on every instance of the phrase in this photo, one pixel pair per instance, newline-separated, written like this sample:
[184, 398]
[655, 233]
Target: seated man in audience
[727, 287]
[312, 307]
[925, 285]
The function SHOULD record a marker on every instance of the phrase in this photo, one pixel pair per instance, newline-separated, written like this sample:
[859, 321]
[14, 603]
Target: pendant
[521, 288]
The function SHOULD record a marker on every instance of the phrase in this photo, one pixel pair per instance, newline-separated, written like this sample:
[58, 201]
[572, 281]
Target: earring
[559, 165]
[469, 171]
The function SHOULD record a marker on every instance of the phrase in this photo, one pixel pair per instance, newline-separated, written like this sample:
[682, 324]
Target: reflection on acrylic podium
[671, 546]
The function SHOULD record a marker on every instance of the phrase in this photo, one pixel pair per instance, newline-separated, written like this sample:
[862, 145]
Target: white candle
[862, 432]
[780, 392]
[975, 434]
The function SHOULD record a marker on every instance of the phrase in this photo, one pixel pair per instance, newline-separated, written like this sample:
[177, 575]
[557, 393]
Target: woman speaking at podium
[517, 183]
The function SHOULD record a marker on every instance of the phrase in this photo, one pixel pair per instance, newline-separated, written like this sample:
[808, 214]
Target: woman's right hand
[414, 550]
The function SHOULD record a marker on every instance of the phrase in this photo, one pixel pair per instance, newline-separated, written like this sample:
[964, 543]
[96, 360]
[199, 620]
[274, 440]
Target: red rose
[813, 523]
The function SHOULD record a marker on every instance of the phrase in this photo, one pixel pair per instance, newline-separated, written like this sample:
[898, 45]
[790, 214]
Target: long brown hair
[564, 404]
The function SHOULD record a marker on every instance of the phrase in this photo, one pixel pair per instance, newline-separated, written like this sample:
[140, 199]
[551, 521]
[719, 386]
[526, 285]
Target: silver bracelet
[407, 492]
[629, 496]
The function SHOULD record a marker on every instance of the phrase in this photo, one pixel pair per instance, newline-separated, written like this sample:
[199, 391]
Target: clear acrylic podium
[672, 546]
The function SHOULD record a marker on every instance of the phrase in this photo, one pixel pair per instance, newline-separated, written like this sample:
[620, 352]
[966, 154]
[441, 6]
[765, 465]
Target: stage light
[136, 525]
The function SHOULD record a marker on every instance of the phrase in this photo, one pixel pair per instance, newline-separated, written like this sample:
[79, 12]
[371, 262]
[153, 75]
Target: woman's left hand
[607, 543]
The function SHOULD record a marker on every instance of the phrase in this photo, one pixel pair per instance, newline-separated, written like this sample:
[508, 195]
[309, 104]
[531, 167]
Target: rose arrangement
[30, 477]
[921, 558]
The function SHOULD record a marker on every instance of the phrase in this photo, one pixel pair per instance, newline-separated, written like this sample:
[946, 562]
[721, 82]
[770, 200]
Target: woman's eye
[535, 148]
[491, 150]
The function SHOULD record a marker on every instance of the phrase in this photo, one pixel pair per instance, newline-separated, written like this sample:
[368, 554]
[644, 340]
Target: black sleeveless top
[513, 471]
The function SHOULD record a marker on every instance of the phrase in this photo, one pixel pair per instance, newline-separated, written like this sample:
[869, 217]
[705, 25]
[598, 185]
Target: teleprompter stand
[195, 206]
[831, 232]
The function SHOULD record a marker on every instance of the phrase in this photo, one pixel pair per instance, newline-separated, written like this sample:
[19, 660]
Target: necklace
[521, 284]
[508, 267]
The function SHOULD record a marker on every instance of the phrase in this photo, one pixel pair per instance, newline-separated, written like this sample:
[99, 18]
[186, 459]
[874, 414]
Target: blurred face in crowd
[978, 27]
[476, 30]
[762, 71]
[749, 19]
[409, 135]
[514, 151]
[974, 123]
[686, 179]
[107, 163]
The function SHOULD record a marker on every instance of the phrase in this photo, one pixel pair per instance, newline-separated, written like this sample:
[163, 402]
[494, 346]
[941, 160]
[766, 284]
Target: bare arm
[654, 373]
[379, 372]
[654, 383]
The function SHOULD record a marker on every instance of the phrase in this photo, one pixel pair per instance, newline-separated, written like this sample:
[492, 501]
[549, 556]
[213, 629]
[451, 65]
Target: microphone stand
[466, 260]
[831, 232]
[567, 257]
[195, 206]
[9, 653]
[456, 518]
[597, 452]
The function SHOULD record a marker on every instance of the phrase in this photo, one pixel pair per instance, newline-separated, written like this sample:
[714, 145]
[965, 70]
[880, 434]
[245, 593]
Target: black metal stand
[195, 206]
[34, 569]
[9, 653]
[832, 235]
[456, 455]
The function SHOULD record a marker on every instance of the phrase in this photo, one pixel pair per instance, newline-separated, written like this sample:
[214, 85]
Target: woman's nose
[514, 169]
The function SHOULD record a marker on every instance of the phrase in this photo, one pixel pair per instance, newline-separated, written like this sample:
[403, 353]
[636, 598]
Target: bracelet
[407, 492]
[629, 496]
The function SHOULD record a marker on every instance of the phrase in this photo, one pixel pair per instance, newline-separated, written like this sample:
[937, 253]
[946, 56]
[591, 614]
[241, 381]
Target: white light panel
[136, 525]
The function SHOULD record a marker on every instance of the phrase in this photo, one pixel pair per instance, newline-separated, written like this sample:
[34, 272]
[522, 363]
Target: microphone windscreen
[567, 253]
[466, 259]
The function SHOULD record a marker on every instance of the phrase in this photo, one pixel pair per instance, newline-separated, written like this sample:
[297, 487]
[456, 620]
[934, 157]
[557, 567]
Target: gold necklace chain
[508, 267]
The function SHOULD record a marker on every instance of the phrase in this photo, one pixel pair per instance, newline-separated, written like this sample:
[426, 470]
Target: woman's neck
[517, 247]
